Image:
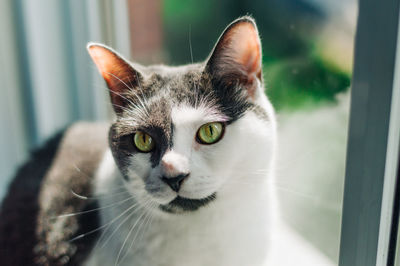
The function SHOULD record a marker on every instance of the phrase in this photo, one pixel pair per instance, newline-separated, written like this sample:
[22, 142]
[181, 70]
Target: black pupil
[211, 130]
[144, 138]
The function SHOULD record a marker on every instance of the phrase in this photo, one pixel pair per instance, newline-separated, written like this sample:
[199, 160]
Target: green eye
[210, 133]
[143, 141]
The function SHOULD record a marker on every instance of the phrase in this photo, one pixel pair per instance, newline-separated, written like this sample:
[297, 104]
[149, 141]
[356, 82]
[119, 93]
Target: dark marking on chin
[180, 205]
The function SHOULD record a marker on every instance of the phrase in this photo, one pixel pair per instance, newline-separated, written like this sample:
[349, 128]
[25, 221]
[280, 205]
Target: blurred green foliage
[302, 82]
[294, 74]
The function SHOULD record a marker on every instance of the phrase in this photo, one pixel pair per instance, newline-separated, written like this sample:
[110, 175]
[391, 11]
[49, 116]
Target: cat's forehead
[177, 83]
[169, 96]
[186, 114]
[168, 91]
[189, 94]
[172, 71]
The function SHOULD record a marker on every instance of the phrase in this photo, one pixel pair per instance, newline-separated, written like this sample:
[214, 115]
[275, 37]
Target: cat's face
[182, 134]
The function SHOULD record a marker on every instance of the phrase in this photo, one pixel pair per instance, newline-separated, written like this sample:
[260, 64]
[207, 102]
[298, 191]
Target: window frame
[373, 139]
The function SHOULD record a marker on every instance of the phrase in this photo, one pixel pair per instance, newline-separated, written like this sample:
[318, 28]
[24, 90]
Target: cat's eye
[143, 141]
[210, 133]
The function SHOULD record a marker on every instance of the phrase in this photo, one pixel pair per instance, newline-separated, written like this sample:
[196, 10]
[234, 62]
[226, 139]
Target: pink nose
[167, 166]
[174, 169]
[174, 164]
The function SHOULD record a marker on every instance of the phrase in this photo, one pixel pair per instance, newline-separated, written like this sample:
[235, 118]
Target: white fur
[240, 227]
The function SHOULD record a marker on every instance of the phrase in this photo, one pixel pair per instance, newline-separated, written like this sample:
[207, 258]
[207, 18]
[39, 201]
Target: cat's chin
[182, 205]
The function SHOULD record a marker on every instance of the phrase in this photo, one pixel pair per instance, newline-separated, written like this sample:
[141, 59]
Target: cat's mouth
[180, 204]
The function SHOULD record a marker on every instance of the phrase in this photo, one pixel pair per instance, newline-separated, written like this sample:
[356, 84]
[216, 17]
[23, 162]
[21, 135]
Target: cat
[185, 178]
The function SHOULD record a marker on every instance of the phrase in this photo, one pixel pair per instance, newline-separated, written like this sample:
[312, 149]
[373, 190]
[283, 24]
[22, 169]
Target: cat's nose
[174, 164]
[174, 169]
[175, 183]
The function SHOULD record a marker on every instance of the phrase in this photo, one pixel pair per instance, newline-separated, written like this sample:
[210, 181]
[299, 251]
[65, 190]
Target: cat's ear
[119, 75]
[236, 58]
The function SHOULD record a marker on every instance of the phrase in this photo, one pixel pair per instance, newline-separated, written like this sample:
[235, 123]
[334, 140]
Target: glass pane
[307, 51]
[307, 59]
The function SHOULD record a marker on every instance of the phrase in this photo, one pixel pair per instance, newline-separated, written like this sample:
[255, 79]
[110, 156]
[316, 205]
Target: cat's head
[183, 134]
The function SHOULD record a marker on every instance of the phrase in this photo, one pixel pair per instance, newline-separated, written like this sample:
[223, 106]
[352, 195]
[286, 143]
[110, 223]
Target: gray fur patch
[260, 112]
[30, 233]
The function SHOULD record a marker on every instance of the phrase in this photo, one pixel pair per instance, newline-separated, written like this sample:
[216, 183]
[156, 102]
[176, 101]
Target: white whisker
[190, 43]
[101, 227]
[136, 234]
[119, 225]
[126, 239]
[92, 210]
[98, 196]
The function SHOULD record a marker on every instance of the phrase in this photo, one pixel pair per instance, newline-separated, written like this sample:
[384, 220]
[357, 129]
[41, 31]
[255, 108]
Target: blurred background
[48, 80]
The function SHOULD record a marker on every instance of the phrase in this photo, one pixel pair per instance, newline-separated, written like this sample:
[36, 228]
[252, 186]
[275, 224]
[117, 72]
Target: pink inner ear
[105, 61]
[245, 48]
[115, 71]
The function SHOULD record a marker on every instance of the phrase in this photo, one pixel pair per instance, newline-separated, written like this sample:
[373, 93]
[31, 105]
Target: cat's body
[30, 232]
[228, 232]
[187, 178]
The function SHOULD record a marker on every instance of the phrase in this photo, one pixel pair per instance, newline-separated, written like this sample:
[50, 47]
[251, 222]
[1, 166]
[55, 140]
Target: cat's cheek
[139, 166]
[196, 146]
[203, 182]
[211, 169]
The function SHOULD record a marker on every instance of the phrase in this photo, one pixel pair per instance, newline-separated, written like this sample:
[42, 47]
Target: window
[368, 222]
[49, 83]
